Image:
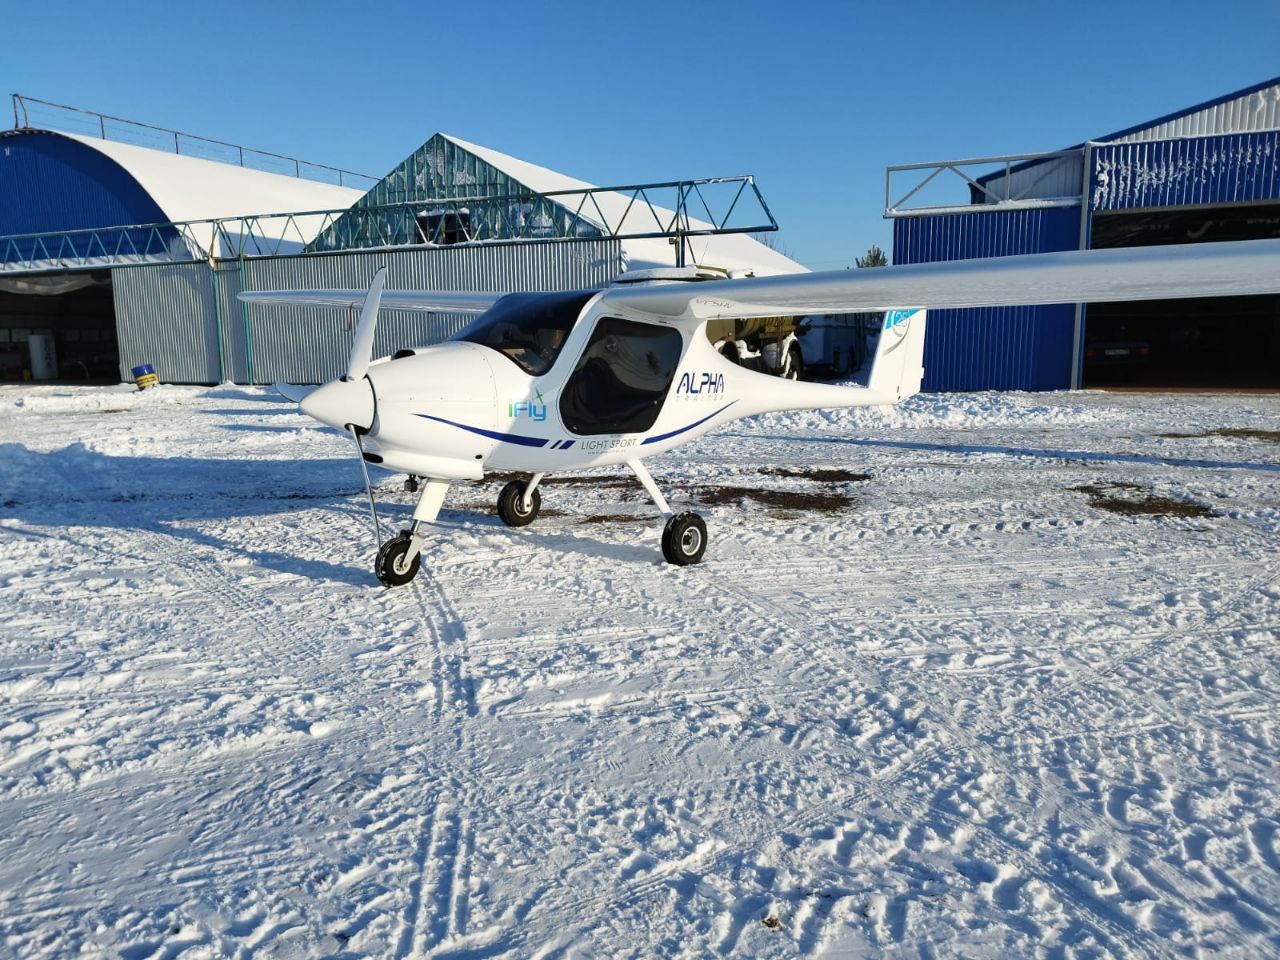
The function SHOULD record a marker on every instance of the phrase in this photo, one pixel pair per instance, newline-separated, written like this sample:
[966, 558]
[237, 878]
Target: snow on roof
[732, 251]
[189, 188]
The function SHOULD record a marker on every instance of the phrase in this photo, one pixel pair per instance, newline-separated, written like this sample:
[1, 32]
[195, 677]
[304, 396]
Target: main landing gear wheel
[684, 539]
[391, 566]
[511, 505]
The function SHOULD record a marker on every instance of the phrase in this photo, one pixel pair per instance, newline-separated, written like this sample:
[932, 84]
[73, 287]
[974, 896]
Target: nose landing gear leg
[399, 558]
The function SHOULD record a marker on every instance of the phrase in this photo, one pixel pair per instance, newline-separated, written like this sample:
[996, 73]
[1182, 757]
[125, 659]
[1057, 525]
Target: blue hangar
[1208, 172]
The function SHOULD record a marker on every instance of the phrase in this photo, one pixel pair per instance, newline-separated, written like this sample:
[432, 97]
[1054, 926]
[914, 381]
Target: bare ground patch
[1238, 433]
[1129, 499]
[825, 475]
[779, 499]
[785, 504]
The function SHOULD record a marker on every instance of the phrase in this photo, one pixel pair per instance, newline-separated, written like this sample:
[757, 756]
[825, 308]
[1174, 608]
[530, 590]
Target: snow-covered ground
[958, 708]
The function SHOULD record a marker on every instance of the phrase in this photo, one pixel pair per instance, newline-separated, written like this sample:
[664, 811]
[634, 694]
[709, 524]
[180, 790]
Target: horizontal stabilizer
[430, 301]
[1226, 269]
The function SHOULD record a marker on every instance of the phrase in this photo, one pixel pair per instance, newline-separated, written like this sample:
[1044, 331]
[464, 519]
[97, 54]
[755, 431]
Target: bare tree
[773, 240]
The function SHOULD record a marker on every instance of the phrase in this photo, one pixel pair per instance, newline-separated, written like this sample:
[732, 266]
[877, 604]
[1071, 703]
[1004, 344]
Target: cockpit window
[528, 328]
[622, 378]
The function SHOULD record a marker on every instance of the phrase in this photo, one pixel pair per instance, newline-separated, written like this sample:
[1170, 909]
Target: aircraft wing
[433, 301]
[1079, 276]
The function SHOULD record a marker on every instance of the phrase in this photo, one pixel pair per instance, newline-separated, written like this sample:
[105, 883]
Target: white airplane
[545, 383]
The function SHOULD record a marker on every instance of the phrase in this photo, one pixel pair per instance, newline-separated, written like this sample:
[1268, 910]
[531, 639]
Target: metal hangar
[1207, 172]
[125, 253]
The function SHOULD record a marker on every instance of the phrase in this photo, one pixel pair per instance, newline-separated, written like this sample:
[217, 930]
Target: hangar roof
[189, 188]
[1253, 109]
[731, 250]
[1256, 107]
[449, 168]
[53, 181]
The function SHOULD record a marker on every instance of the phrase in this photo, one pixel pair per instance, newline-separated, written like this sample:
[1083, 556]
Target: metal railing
[99, 248]
[1015, 182]
[631, 212]
[674, 209]
[77, 120]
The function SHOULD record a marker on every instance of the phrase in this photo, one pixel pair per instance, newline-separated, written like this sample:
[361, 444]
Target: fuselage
[461, 408]
[544, 383]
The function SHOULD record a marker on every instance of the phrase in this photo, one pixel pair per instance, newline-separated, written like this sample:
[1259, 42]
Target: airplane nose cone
[342, 402]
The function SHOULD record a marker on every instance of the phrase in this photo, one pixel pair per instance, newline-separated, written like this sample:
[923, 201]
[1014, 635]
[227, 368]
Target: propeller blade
[368, 488]
[292, 391]
[362, 345]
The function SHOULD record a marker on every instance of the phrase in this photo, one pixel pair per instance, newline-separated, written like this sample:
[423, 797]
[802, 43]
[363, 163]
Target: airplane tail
[898, 367]
[896, 373]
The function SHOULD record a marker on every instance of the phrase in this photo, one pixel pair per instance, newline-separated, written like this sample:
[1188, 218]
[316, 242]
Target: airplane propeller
[349, 403]
[362, 345]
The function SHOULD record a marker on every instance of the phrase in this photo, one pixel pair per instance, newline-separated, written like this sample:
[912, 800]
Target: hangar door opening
[58, 327]
[1219, 343]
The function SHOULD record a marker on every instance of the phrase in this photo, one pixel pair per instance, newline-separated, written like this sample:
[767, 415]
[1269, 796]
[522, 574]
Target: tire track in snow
[437, 912]
[442, 900]
[851, 800]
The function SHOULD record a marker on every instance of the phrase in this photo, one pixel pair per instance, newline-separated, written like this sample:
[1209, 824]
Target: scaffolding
[699, 208]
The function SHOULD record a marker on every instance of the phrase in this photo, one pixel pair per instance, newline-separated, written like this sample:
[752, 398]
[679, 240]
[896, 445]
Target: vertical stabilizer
[898, 367]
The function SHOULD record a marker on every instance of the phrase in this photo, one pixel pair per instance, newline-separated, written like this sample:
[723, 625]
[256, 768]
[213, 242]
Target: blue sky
[815, 99]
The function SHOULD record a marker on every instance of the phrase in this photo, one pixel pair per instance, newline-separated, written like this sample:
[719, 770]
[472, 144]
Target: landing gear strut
[684, 538]
[401, 556]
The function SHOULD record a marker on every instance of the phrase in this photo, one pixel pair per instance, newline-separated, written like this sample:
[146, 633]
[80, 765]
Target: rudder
[898, 368]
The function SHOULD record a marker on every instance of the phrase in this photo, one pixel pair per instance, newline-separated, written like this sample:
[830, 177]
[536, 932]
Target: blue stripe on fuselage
[696, 423]
[491, 434]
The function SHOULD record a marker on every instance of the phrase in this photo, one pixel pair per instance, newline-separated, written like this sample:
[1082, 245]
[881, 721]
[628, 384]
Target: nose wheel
[684, 539]
[395, 566]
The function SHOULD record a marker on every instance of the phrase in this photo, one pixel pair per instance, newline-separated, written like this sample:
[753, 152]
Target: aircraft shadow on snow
[77, 487]
[988, 449]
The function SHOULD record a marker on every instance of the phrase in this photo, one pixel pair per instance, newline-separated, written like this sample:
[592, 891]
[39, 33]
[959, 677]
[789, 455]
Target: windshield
[528, 328]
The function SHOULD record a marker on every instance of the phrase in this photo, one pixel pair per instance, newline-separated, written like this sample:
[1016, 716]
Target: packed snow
[1015, 692]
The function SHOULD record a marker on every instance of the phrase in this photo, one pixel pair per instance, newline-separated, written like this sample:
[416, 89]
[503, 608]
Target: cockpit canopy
[529, 329]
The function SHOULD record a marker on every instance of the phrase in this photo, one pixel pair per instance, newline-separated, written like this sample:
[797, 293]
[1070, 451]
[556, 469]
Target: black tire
[795, 365]
[511, 505]
[390, 566]
[684, 539]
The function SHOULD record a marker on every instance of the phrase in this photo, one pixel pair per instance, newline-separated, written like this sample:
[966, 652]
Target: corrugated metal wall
[230, 317]
[168, 315]
[165, 317]
[303, 346]
[1236, 168]
[995, 348]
